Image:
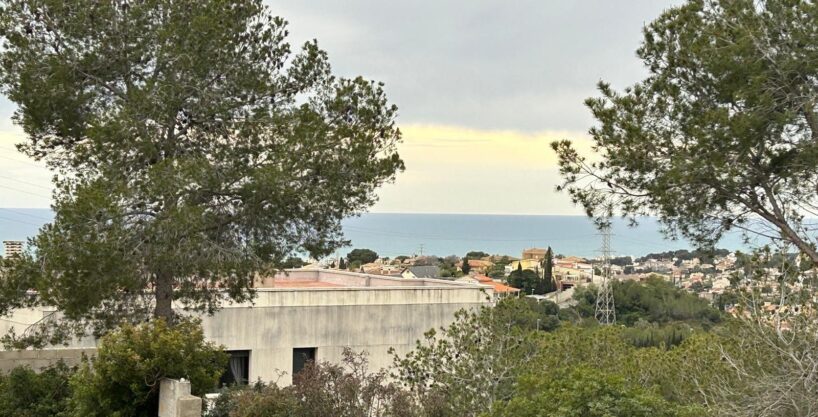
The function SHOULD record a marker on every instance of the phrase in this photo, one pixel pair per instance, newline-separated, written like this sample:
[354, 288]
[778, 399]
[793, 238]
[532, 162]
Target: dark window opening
[238, 368]
[301, 357]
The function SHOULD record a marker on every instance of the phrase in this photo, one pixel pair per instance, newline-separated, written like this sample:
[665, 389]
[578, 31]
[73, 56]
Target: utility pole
[605, 311]
[421, 249]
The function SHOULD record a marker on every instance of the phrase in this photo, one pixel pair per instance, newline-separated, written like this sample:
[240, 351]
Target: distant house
[500, 290]
[477, 265]
[415, 272]
[534, 253]
[532, 264]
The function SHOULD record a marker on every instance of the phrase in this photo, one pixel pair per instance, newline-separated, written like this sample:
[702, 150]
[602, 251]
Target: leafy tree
[192, 149]
[123, 379]
[655, 301]
[362, 256]
[476, 255]
[461, 370]
[721, 134]
[293, 262]
[342, 264]
[464, 266]
[527, 281]
[26, 393]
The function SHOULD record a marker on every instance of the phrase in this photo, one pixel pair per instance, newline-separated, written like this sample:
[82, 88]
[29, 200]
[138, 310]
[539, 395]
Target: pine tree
[466, 267]
[548, 271]
[172, 146]
[342, 264]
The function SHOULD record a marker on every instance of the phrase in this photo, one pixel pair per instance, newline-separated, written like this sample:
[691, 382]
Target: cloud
[452, 169]
[526, 65]
[23, 182]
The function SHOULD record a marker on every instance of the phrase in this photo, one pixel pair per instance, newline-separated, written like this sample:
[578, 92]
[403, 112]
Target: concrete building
[305, 315]
[12, 248]
[537, 254]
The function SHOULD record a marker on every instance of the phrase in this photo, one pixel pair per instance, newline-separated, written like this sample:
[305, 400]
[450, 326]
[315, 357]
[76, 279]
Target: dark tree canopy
[464, 266]
[192, 148]
[362, 256]
[528, 281]
[722, 133]
[550, 285]
[477, 255]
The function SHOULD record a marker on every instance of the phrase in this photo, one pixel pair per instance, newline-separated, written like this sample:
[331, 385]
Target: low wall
[38, 359]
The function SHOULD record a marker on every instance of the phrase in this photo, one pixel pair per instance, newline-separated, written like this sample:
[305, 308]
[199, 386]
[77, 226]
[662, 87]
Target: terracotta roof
[498, 287]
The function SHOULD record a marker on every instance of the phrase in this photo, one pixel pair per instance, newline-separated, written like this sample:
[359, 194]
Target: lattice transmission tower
[605, 311]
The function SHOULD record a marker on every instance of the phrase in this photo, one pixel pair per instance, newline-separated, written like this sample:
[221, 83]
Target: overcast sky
[482, 87]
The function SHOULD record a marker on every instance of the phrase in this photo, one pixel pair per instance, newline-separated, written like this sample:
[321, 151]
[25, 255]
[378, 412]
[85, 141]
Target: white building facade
[306, 315]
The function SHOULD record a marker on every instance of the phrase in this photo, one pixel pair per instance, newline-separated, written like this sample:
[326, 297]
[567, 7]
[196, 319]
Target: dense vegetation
[654, 301]
[519, 358]
[496, 362]
[705, 256]
[122, 379]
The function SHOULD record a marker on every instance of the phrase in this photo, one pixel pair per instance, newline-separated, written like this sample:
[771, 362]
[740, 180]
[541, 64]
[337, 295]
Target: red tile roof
[498, 287]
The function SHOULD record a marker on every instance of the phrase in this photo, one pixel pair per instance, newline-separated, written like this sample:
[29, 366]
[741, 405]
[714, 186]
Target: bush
[26, 393]
[123, 379]
[321, 390]
[586, 392]
[655, 300]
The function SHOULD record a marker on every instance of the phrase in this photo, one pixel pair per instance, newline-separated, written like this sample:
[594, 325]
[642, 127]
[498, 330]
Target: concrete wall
[369, 313]
[371, 320]
[38, 359]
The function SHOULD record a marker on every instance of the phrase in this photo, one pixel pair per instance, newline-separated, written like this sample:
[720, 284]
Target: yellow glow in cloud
[453, 169]
[431, 144]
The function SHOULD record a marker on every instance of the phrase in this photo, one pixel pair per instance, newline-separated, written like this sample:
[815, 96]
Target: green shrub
[123, 379]
[26, 393]
[586, 392]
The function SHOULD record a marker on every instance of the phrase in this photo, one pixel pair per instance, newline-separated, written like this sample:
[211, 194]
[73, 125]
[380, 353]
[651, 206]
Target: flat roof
[307, 278]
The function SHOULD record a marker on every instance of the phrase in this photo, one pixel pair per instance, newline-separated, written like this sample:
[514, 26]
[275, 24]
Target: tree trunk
[164, 297]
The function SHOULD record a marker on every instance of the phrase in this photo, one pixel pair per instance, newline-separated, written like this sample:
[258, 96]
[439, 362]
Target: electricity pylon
[605, 311]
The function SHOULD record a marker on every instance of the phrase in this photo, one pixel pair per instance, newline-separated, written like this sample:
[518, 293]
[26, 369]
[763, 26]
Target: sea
[394, 234]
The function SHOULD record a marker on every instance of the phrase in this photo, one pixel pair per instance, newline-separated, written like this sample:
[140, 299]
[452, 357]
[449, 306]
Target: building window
[238, 368]
[301, 357]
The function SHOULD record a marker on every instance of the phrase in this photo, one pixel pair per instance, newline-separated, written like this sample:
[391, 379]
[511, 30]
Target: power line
[22, 161]
[19, 221]
[25, 182]
[23, 191]
[25, 214]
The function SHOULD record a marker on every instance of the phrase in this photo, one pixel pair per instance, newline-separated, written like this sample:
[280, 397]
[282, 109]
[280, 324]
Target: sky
[483, 87]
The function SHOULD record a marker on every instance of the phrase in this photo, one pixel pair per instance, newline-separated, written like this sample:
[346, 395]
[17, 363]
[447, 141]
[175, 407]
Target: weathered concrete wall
[371, 320]
[363, 315]
[38, 359]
